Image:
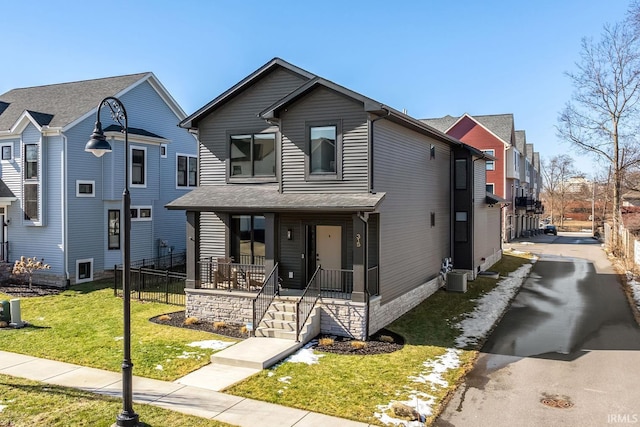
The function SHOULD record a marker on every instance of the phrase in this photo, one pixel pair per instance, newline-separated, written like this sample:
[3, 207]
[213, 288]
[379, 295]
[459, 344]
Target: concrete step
[256, 352]
[276, 333]
[283, 306]
[284, 325]
[280, 315]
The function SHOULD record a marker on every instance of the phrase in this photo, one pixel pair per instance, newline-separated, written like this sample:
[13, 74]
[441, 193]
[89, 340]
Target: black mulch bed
[21, 290]
[177, 319]
[377, 344]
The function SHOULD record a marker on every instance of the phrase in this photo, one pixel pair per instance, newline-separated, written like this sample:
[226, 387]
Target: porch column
[269, 241]
[359, 259]
[193, 248]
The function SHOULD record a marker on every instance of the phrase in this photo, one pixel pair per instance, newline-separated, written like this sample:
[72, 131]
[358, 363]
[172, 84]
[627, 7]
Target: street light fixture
[98, 145]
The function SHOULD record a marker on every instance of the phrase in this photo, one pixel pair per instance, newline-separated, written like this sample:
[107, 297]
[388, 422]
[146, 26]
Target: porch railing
[265, 297]
[307, 301]
[336, 283]
[221, 273]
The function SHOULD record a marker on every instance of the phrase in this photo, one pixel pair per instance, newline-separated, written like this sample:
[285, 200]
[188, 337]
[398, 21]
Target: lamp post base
[126, 420]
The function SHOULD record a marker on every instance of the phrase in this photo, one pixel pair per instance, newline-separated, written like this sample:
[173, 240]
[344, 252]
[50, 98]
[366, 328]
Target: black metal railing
[336, 283]
[172, 261]
[373, 281]
[307, 302]
[148, 284]
[221, 273]
[251, 259]
[265, 297]
[4, 252]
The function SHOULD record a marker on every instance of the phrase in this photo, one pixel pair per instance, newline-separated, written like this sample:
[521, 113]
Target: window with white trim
[85, 188]
[113, 229]
[490, 188]
[141, 213]
[138, 166]
[6, 152]
[84, 270]
[163, 151]
[186, 170]
[31, 183]
[490, 163]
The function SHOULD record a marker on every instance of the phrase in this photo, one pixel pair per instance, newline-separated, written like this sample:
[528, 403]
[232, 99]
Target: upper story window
[187, 170]
[31, 161]
[6, 151]
[253, 155]
[323, 150]
[163, 151]
[461, 174]
[490, 188]
[490, 163]
[138, 166]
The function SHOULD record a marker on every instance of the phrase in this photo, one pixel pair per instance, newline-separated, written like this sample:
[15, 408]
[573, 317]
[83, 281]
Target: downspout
[65, 211]
[366, 220]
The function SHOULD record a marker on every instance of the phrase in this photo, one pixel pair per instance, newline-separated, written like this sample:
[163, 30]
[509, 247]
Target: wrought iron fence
[172, 262]
[148, 284]
[336, 283]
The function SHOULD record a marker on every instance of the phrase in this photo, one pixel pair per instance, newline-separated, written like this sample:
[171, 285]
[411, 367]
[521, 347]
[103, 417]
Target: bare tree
[555, 174]
[602, 116]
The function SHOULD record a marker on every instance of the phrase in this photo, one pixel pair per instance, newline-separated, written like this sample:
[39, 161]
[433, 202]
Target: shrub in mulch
[179, 320]
[20, 289]
[382, 342]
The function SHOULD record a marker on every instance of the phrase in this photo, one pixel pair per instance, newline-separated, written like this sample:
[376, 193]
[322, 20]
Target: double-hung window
[490, 163]
[31, 183]
[253, 155]
[187, 170]
[324, 147]
[114, 229]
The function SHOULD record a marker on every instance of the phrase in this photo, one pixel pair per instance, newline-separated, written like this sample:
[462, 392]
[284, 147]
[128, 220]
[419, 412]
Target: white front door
[329, 247]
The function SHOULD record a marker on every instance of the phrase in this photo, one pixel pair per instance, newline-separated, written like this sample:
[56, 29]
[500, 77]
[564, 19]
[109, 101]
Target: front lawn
[357, 387]
[84, 326]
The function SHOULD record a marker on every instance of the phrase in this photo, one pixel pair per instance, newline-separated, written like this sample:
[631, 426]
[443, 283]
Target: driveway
[567, 351]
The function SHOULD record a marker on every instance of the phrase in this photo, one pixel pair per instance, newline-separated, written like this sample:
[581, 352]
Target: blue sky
[429, 57]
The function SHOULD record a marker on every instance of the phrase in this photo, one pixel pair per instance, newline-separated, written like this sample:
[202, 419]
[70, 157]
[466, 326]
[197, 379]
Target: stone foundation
[343, 318]
[219, 306]
[490, 260]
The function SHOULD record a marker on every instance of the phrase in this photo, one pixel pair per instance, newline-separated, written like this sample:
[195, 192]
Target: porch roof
[267, 198]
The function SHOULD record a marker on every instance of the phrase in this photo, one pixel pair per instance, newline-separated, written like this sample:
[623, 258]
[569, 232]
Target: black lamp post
[98, 145]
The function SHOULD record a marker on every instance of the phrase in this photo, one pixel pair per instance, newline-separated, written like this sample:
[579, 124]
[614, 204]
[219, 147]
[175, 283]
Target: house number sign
[358, 237]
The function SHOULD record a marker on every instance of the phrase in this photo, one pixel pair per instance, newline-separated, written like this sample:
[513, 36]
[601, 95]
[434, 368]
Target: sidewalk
[175, 396]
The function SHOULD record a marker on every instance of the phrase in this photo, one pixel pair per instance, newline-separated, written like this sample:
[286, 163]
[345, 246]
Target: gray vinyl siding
[411, 251]
[213, 231]
[239, 115]
[43, 241]
[486, 220]
[325, 106]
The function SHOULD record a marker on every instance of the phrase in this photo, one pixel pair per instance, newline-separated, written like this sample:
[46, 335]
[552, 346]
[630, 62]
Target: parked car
[550, 229]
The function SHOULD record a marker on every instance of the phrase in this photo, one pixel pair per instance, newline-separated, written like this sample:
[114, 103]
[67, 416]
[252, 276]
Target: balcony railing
[530, 205]
[221, 273]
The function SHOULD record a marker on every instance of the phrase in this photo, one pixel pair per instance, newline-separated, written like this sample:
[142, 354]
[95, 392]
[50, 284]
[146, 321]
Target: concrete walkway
[176, 396]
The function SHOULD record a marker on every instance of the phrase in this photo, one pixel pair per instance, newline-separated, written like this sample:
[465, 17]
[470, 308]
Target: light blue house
[63, 204]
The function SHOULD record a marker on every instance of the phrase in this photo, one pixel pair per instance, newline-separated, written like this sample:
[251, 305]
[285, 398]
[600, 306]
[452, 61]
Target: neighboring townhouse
[63, 204]
[508, 176]
[306, 185]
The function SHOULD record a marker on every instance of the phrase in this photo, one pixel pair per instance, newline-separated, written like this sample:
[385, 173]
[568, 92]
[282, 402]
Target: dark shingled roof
[521, 141]
[502, 125]
[5, 192]
[266, 198]
[64, 102]
[441, 123]
[135, 131]
[43, 119]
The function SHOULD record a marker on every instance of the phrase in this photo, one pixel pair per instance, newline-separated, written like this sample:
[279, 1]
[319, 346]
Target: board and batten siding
[239, 115]
[324, 106]
[411, 251]
[486, 220]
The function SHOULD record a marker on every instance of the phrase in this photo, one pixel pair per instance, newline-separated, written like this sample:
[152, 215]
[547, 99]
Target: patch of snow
[490, 307]
[211, 344]
[305, 354]
[286, 380]
[159, 367]
[189, 354]
[270, 374]
[2, 407]
[119, 338]
[422, 402]
[527, 243]
[635, 290]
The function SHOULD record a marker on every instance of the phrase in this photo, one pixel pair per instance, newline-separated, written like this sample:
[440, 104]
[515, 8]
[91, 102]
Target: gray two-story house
[62, 204]
[306, 183]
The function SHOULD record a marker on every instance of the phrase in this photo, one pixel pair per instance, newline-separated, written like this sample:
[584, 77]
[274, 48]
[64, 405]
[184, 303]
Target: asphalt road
[566, 353]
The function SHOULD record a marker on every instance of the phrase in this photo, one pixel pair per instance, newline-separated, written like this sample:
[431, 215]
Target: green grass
[29, 403]
[84, 326]
[353, 386]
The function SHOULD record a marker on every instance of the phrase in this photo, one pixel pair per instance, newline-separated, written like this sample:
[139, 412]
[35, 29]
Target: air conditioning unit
[457, 281]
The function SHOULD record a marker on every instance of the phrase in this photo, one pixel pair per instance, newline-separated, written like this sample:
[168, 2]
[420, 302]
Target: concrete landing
[256, 352]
